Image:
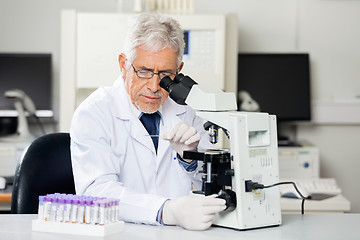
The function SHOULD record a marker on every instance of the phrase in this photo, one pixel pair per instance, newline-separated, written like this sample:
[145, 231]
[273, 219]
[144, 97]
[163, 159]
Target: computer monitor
[30, 73]
[278, 82]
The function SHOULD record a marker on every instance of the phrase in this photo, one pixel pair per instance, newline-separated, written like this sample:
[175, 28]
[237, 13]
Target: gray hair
[155, 32]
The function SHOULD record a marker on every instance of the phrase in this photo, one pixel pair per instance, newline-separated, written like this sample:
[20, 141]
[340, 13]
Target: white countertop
[294, 226]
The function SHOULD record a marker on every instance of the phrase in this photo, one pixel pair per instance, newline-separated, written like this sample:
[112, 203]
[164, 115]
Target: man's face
[146, 94]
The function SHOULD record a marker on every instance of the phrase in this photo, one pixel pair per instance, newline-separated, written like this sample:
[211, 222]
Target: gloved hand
[192, 213]
[182, 137]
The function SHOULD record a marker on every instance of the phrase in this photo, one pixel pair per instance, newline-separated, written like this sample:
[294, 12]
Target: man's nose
[154, 83]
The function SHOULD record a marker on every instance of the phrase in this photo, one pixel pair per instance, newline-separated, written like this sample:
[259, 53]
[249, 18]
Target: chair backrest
[44, 169]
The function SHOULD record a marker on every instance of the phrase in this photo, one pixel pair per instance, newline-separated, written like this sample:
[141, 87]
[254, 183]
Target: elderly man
[115, 145]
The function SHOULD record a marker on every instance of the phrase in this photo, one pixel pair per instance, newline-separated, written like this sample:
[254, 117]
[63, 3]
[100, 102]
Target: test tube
[102, 213]
[88, 204]
[54, 203]
[81, 211]
[110, 206]
[117, 202]
[47, 208]
[113, 210]
[107, 212]
[78, 209]
[95, 212]
[60, 210]
[74, 211]
[68, 205]
[41, 207]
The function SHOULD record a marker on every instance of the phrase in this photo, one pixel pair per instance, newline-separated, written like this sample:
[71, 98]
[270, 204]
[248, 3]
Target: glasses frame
[153, 73]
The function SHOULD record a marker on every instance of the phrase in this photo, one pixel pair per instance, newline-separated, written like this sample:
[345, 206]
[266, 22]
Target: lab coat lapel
[170, 117]
[139, 133]
[123, 111]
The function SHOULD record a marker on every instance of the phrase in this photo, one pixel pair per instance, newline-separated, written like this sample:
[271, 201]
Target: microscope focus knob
[230, 198]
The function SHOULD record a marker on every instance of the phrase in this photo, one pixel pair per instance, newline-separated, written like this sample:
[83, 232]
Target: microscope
[22, 102]
[234, 173]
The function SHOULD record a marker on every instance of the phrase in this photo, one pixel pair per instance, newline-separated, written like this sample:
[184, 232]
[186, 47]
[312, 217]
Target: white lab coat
[112, 156]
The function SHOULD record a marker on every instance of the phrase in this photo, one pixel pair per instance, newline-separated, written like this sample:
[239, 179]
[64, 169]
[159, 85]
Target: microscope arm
[22, 102]
[25, 100]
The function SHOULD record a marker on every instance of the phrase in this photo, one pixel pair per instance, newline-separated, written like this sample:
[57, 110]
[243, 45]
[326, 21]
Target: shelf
[330, 112]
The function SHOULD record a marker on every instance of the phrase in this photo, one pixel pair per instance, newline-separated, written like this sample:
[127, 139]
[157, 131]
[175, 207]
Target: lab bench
[294, 226]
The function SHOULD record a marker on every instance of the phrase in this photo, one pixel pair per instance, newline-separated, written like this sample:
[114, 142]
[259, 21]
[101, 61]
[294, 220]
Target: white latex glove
[192, 213]
[182, 137]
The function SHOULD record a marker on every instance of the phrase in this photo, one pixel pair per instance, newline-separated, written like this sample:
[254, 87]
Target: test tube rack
[39, 225]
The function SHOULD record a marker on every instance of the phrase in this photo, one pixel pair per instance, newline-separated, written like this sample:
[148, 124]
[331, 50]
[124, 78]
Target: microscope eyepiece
[179, 77]
[167, 84]
[178, 88]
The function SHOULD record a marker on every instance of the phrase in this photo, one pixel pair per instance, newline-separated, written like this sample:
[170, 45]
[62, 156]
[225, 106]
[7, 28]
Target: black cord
[297, 190]
[250, 185]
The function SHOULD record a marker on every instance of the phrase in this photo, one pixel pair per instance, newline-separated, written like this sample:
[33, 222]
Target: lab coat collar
[123, 110]
[122, 107]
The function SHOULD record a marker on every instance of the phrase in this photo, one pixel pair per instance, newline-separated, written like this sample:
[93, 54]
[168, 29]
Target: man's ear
[181, 66]
[122, 65]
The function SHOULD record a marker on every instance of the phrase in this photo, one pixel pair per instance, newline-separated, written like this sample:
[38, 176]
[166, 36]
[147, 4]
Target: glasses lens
[145, 74]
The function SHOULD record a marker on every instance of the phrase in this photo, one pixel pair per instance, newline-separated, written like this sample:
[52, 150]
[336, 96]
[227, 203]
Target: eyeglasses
[147, 74]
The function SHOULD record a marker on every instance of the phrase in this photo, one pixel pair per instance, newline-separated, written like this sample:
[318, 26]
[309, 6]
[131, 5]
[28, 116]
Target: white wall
[327, 29]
